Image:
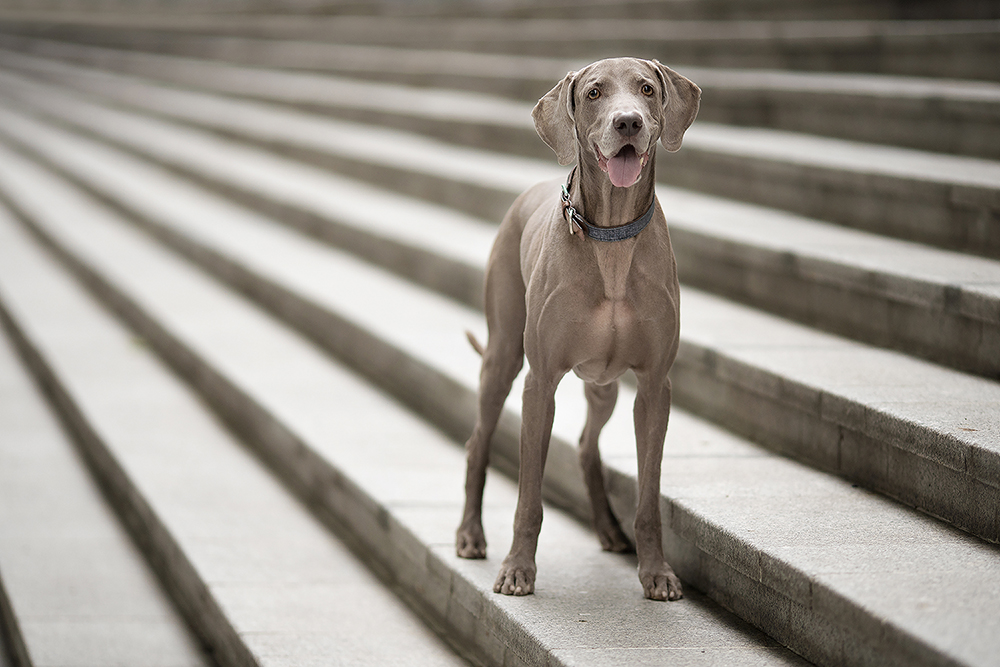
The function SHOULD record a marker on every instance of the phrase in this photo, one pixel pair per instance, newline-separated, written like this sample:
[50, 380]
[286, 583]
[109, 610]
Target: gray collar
[603, 233]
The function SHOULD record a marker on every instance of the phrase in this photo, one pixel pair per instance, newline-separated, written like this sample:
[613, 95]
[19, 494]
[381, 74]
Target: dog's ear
[554, 121]
[681, 99]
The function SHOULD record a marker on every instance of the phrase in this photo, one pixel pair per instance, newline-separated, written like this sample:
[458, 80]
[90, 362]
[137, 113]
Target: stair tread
[79, 589]
[289, 589]
[842, 155]
[380, 452]
[296, 86]
[936, 47]
[327, 88]
[429, 327]
[428, 28]
[760, 143]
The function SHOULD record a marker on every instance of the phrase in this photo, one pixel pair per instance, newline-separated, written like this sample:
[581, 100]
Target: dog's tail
[476, 345]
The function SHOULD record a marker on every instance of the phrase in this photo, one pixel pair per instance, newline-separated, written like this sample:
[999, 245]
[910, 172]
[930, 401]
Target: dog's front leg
[652, 412]
[517, 573]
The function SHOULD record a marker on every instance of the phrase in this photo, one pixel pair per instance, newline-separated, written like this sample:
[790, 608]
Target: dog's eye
[647, 89]
[594, 94]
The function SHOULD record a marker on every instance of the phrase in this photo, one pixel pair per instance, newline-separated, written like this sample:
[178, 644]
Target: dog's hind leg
[600, 404]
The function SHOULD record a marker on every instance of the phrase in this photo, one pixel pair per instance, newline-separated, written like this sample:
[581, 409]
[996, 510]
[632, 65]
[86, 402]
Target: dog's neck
[605, 205]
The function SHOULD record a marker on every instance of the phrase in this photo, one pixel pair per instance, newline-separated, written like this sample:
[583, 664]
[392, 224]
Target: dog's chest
[609, 330]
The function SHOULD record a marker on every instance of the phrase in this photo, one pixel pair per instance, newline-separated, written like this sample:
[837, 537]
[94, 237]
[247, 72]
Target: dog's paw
[661, 585]
[515, 579]
[470, 542]
[614, 539]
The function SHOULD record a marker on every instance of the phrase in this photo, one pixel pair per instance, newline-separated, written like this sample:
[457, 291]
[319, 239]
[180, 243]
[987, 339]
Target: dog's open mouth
[624, 167]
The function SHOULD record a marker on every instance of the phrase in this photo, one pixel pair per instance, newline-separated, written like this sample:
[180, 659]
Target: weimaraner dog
[582, 278]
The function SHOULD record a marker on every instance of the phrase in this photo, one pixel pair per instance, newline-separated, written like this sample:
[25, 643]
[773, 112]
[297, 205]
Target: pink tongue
[624, 168]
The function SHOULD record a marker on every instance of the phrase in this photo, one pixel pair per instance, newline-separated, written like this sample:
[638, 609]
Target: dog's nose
[628, 124]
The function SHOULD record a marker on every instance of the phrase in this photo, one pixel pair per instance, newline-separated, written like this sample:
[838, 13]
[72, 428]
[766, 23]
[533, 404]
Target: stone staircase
[238, 254]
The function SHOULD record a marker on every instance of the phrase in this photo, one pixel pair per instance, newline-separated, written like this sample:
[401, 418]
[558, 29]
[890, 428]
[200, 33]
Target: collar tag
[570, 213]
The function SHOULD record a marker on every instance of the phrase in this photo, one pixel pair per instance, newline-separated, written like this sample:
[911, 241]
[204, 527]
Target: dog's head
[613, 111]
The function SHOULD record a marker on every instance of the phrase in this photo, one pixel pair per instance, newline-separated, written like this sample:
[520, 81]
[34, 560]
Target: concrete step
[258, 577]
[940, 305]
[83, 10]
[76, 590]
[951, 49]
[389, 482]
[942, 116]
[947, 201]
[815, 590]
[727, 9]
[5, 652]
[822, 102]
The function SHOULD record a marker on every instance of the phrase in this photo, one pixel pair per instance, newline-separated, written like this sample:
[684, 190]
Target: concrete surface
[835, 571]
[947, 116]
[81, 593]
[260, 565]
[952, 49]
[419, 324]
